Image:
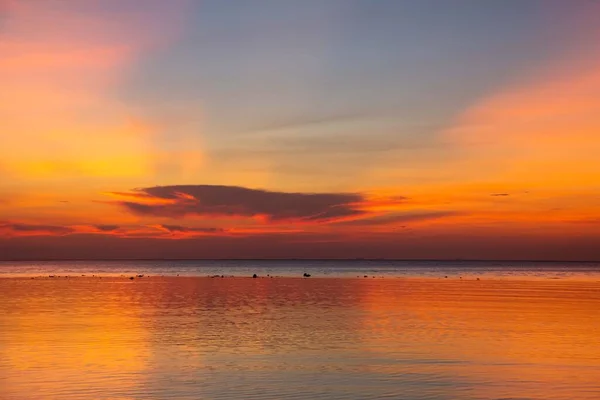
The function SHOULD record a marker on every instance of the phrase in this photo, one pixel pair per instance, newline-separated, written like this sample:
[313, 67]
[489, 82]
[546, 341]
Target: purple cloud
[183, 200]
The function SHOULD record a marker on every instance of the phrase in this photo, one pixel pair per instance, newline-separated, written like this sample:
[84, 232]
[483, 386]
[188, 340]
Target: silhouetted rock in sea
[255, 276]
[131, 277]
[306, 275]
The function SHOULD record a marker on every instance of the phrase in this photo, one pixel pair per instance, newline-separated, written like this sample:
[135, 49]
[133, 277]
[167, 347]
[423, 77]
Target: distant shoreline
[108, 277]
[300, 260]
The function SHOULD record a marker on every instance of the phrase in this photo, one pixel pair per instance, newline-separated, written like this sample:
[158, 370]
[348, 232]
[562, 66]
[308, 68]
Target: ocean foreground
[194, 337]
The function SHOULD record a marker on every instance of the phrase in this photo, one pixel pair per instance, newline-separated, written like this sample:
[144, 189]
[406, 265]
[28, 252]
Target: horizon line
[301, 259]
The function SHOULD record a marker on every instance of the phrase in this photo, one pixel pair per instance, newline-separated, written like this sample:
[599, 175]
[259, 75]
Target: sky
[300, 129]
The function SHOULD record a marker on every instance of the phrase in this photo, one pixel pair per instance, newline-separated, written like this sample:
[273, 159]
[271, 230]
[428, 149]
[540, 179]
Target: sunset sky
[300, 128]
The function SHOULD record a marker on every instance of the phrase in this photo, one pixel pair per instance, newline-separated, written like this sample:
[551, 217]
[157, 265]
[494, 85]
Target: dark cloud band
[211, 200]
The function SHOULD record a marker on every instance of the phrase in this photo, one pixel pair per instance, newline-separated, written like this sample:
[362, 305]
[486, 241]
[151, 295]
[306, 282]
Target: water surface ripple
[292, 338]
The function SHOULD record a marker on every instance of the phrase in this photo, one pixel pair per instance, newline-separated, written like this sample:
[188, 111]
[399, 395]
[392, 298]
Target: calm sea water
[417, 337]
[317, 268]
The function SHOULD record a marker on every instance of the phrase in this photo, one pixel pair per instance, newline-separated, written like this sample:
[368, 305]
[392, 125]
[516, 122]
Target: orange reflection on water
[501, 338]
[223, 338]
[59, 338]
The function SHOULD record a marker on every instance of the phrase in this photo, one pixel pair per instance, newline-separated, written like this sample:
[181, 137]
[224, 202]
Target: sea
[353, 329]
[317, 268]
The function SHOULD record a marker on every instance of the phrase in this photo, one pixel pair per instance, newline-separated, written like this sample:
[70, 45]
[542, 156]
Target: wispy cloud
[398, 218]
[179, 228]
[20, 229]
[303, 121]
[107, 228]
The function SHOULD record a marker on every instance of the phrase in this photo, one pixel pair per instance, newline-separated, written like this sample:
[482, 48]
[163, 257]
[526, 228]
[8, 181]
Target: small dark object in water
[140, 276]
[131, 277]
[222, 276]
[50, 276]
[306, 275]
[255, 276]
[477, 278]
[366, 276]
[446, 276]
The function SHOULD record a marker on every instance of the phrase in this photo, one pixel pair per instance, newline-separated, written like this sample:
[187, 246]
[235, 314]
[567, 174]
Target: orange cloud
[527, 154]
[11, 229]
[165, 231]
[544, 133]
[240, 210]
[60, 66]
